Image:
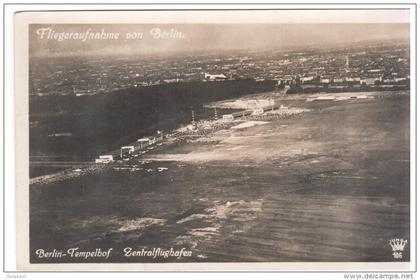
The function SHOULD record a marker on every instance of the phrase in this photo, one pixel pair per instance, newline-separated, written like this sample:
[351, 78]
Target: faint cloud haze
[196, 37]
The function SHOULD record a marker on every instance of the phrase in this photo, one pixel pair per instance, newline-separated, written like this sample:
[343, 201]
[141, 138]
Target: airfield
[330, 182]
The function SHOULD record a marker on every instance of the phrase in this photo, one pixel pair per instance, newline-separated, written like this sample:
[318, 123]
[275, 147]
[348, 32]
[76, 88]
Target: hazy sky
[88, 39]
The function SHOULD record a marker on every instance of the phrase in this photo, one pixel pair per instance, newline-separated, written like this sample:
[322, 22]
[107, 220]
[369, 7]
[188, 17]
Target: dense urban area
[381, 64]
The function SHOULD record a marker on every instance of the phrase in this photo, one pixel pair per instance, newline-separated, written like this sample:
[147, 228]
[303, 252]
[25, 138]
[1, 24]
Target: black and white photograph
[216, 137]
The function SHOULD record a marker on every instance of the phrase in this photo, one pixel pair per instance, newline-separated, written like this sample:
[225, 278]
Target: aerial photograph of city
[219, 143]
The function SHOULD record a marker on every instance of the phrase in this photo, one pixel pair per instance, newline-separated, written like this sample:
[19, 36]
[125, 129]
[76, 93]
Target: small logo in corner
[397, 245]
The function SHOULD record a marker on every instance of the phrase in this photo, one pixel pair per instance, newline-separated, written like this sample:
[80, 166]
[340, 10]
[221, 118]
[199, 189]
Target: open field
[330, 184]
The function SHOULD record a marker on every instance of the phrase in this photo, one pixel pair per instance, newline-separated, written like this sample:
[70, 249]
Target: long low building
[143, 142]
[256, 111]
[126, 151]
[105, 159]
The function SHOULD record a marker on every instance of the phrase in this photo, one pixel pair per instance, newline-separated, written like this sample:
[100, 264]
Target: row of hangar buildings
[141, 146]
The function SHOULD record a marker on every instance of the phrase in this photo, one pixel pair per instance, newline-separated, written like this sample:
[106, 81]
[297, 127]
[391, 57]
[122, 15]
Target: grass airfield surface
[331, 184]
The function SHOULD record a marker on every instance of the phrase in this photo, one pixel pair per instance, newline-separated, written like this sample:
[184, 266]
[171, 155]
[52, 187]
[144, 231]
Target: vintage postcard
[275, 139]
